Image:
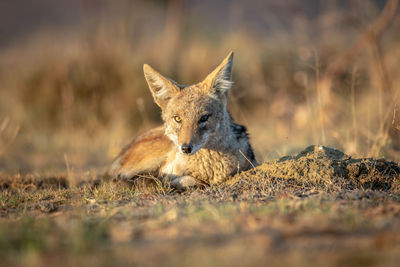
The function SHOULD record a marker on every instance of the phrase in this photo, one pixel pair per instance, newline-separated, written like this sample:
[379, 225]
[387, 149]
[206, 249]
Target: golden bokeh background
[72, 90]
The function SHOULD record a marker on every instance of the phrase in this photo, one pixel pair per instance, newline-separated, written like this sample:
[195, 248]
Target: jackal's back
[144, 155]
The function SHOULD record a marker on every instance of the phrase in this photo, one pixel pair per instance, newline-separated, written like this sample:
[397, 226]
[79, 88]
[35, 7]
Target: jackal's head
[194, 115]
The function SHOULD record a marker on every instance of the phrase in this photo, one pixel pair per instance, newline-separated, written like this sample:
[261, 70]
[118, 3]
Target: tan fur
[194, 116]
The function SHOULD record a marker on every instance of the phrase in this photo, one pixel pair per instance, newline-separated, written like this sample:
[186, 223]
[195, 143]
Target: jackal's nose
[186, 148]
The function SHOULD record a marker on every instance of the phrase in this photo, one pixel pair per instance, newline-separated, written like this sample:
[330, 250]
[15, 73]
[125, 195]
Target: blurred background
[72, 91]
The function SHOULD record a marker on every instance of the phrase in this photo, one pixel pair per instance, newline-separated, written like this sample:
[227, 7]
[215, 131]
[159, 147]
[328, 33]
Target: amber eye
[204, 118]
[177, 119]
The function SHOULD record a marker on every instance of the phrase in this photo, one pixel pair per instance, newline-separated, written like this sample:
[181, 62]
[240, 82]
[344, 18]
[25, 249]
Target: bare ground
[319, 207]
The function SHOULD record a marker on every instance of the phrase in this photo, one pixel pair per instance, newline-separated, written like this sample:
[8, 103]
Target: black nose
[186, 148]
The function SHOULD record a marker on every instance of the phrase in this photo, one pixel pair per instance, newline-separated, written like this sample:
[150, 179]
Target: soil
[320, 165]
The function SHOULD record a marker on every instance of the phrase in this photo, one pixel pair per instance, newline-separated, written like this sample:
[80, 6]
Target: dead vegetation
[316, 206]
[70, 100]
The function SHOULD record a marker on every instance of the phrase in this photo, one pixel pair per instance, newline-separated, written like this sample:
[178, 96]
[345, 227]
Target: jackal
[199, 143]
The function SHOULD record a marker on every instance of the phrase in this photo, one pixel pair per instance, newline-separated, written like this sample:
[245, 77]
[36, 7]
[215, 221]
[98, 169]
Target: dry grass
[290, 90]
[70, 100]
[320, 206]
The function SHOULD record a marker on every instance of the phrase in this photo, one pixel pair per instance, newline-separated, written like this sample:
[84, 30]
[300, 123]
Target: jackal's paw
[184, 182]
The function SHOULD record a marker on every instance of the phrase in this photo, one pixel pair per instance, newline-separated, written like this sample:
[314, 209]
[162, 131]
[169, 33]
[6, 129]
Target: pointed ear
[162, 88]
[219, 82]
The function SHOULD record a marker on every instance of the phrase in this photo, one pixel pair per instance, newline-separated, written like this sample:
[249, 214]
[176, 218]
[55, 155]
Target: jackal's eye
[177, 119]
[204, 118]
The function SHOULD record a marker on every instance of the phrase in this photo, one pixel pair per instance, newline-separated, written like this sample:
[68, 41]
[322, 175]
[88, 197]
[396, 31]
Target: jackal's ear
[219, 82]
[161, 87]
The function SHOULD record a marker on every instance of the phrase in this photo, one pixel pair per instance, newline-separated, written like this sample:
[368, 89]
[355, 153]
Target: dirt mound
[329, 167]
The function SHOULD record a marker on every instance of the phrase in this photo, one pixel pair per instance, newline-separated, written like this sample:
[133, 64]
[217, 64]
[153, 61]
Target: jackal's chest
[206, 165]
